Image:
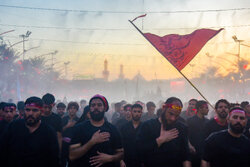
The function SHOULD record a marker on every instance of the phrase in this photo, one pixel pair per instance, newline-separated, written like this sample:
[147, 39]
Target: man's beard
[136, 118]
[165, 123]
[223, 114]
[60, 114]
[29, 122]
[236, 128]
[97, 115]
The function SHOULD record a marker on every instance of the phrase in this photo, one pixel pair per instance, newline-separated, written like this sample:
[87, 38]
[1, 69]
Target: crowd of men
[40, 132]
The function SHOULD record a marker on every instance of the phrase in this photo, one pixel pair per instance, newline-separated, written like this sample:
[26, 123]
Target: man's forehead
[222, 104]
[238, 113]
[96, 101]
[204, 105]
[177, 103]
[192, 102]
[137, 108]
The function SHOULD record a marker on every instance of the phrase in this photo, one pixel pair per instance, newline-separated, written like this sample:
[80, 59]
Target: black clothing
[83, 132]
[3, 125]
[115, 117]
[196, 136]
[128, 133]
[54, 121]
[185, 115]
[146, 117]
[212, 126]
[169, 154]
[222, 149]
[65, 121]
[247, 130]
[20, 148]
[120, 123]
[66, 134]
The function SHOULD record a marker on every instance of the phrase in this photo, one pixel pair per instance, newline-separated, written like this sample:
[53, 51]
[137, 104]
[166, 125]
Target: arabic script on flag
[179, 50]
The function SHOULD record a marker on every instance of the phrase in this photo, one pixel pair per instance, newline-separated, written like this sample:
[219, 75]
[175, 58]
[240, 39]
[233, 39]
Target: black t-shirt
[3, 125]
[128, 133]
[54, 121]
[83, 132]
[222, 149]
[20, 148]
[120, 123]
[196, 132]
[169, 154]
[65, 120]
[212, 126]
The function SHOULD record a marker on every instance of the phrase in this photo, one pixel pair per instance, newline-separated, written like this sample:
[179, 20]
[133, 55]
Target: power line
[103, 43]
[121, 12]
[79, 42]
[66, 28]
[113, 29]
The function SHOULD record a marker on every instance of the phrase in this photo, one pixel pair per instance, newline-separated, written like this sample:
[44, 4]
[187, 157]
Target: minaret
[121, 75]
[105, 72]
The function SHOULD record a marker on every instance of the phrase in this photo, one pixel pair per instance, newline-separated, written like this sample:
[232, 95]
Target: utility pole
[66, 68]
[52, 58]
[239, 43]
[25, 36]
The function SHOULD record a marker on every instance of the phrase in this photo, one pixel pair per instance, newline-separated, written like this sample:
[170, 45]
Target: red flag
[179, 50]
[139, 17]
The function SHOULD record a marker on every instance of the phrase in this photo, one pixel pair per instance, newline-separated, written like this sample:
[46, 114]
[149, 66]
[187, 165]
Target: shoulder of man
[215, 135]
[210, 122]
[56, 116]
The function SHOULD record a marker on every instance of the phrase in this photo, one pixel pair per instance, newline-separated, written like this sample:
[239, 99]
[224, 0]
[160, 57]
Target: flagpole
[174, 66]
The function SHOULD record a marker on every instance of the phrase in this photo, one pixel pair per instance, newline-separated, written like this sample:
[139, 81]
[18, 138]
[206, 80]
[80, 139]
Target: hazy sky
[88, 32]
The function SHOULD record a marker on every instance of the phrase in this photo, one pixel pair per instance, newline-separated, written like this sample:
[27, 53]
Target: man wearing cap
[163, 142]
[96, 142]
[229, 148]
[29, 142]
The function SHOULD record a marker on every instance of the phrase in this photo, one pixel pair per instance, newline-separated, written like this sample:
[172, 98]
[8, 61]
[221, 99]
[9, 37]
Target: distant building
[105, 72]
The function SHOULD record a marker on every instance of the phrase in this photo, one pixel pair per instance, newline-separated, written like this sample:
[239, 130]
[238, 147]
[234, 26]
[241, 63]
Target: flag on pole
[139, 17]
[179, 50]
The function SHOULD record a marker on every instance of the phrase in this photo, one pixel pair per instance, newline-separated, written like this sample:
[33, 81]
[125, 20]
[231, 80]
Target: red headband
[33, 105]
[172, 106]
[11, 107]
[237, 111]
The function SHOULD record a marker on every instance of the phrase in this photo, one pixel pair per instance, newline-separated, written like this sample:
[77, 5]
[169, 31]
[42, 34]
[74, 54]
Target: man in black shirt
[128, 133]
[50, 118]
[163, 142]
[68, 122]
[219, 122]
[190, 112]
[2, 104]
[229, 148]
[196, 131]
[20, 108]
[124, 118]
[96, 142]
[151, 112]
[29, 142]
[8, 116]
[60, 109]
